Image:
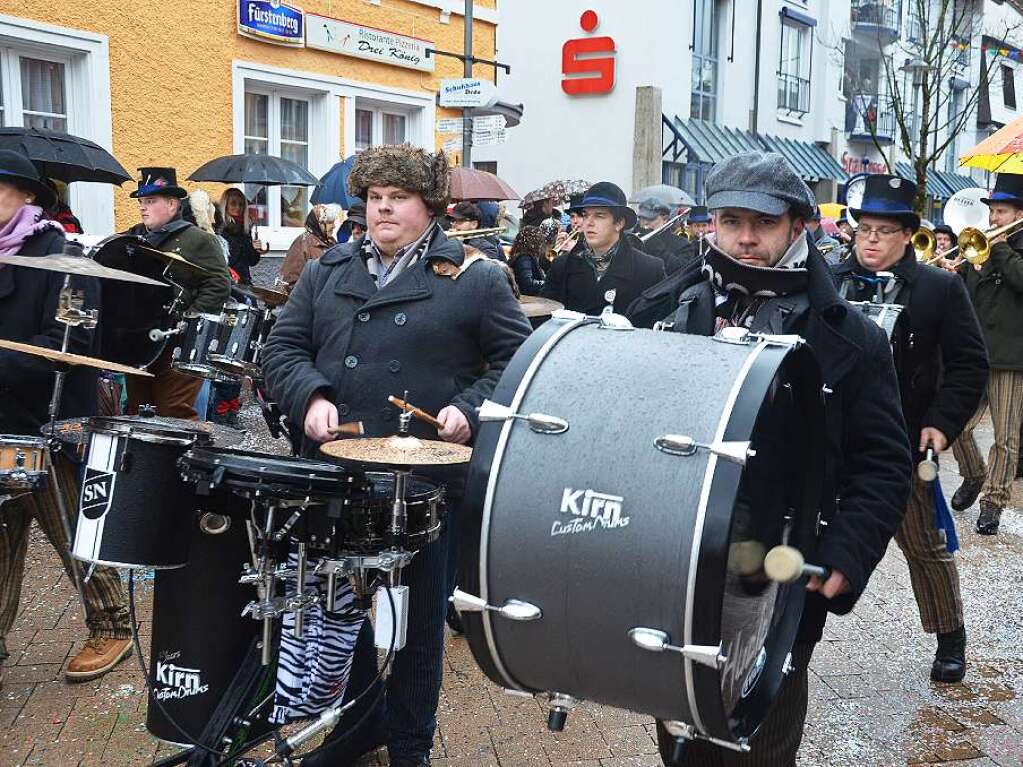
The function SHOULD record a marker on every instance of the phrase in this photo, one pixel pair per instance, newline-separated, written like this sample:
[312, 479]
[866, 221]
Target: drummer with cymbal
[204, 289]
[28, 306]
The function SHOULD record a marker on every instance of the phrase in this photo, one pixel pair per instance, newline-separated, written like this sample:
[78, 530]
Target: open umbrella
[671, 196]
[333, 187]
[63, 156]
[1001, 152]
[557, 190]
[472, 184]
[263, 169]
[831, 209]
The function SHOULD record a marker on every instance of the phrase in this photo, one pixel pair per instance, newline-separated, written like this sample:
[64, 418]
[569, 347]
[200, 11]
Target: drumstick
[352, 429]
[422, 415]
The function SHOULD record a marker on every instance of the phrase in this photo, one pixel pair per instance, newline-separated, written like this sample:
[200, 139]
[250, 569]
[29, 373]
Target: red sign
[586, 72]
[854, 165]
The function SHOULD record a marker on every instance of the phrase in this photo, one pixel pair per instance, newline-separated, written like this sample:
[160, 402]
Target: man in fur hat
[402, 308]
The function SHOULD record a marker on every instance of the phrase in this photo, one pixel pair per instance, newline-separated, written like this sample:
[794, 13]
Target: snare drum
[646, 520]
[135, 510]
[23, 463]
[364, 527]
[244, 328]
[198, 339]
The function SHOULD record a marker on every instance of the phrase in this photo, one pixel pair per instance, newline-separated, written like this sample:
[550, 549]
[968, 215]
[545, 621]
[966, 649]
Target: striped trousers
[932, 568]
[105, 604]
[1004, 396]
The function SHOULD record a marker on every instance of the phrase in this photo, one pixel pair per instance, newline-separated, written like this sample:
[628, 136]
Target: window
[277, 124]
[703, 104]
[794, 68]
[490, 166]
[379, 124]
[1008, 86]
[36, 94]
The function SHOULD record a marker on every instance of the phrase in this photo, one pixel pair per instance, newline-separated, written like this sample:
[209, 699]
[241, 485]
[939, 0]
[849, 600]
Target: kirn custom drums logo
[177, 681]
[97, 492]
[589, 510]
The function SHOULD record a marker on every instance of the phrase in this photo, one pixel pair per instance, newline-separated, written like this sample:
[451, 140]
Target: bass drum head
[130, 310]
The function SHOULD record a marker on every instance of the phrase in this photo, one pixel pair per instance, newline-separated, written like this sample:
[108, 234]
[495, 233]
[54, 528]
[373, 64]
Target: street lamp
[918, 68]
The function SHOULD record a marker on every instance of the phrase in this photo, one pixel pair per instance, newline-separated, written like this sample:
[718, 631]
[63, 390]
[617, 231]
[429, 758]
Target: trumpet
[455, 234]
[923, 242]
[671, 222]
[974, 245]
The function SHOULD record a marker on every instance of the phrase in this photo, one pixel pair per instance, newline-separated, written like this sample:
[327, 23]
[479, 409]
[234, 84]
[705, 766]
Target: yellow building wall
[170, 68]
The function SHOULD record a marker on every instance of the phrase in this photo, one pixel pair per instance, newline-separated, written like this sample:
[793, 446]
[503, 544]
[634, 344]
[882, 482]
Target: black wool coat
[573, 282]
[939, 351]
[28, 307]
[444, 340]
[670, 248]
[242, 253]
[868, 466]
[997, 294]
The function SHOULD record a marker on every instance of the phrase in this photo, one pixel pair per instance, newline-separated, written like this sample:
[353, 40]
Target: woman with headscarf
[242, 252]
[317, 238]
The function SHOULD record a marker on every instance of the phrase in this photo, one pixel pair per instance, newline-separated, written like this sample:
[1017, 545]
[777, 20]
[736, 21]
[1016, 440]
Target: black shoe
[967, 494]
[950, 660]
[990, 516]
[454, 621]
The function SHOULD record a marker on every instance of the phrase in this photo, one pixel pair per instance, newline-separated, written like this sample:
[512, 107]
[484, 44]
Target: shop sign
[336, 36]
[853, 165]
[272, 22]
[585, 70]
[467, 93]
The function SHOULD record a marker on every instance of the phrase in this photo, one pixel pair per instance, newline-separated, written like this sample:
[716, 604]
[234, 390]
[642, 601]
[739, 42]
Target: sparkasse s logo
[585, 71]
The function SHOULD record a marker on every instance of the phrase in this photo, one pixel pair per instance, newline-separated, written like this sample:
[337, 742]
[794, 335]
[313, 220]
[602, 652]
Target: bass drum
[129, 310]
[631, 500]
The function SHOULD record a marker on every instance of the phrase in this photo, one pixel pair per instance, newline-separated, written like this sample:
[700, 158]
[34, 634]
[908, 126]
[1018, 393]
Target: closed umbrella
[472, 184]
[671, 196]
[333, 187]
[64, 157]
[263, 169]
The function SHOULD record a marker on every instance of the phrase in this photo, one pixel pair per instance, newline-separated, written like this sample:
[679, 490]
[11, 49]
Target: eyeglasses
[864, 232]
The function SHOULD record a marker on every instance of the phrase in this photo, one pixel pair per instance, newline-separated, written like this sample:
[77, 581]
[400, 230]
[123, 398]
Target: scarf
[863, 285]
[600, 264]
[404, 258]
[26, 222]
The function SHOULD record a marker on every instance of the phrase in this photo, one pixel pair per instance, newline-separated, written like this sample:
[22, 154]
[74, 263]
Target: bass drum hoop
[245, 472]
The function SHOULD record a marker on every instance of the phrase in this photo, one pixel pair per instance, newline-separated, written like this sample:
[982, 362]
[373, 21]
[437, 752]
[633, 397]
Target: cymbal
[170, 258]
[86, 267]
[67, 358]
[534, 306]
[266, 295]
[398, 451]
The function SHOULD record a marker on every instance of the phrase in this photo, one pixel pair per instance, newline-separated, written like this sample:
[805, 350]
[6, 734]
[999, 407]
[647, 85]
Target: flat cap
[651, 207]
[760, 181]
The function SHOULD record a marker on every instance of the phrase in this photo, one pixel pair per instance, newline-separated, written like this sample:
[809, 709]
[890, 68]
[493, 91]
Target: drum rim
[133, 427]
[23, 440]
[204, 371]
[125, 565]
[229, 365]
[209, 458]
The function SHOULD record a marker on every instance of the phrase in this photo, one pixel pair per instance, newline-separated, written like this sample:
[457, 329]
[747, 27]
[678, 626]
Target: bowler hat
[889, 197]
[17, 170]
[945, 229]
[761, 181]
[1008, 188]
[698, 215]
[604, 194]
[158, 181]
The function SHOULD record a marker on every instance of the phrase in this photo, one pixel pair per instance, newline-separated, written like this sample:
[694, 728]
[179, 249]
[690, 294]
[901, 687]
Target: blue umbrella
[333, 187]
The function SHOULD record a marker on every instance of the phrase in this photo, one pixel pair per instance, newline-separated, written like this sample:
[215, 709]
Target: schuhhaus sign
[327, 34]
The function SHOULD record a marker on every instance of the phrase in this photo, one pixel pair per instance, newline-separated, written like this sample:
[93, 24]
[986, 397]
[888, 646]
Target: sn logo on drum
[590, 510]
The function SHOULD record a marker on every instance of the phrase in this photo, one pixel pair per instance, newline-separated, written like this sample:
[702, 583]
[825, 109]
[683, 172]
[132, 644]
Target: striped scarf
[404, 258]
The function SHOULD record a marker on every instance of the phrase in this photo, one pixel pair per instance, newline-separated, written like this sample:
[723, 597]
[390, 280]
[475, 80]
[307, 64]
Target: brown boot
[98, 657]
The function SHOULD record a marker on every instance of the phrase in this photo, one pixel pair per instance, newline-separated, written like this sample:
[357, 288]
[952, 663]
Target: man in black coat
[609, 268]
[465, 217]
[401, 309]
[666, 244]
[762, 274]
[942, 366]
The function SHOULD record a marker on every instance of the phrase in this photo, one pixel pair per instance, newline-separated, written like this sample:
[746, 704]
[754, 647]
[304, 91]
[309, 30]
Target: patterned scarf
[404, 257]
[600, 264]
[26, 222]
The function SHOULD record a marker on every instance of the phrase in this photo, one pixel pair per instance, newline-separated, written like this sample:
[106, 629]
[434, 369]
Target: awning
[811, 161]
[940, 184]
[957, 182]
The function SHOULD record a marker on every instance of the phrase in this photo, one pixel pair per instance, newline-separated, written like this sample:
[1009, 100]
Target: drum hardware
[927, 469]
[745, 337]
[512, 609]
[541, 423]
[785, 564]
[683, 732]
[214, 524]
[682, 445]
[654, 640]
[419, 413]
[787, 667]
[561, 706]
[608, 319]
[162, 335]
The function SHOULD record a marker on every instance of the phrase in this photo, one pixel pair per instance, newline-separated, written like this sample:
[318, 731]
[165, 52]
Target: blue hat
[604, 194]
[158, 181]
[889, 197]
[1008, 188]
[698, 215]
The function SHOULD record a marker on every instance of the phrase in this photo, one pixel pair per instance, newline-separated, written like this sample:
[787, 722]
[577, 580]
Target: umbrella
[63, 156]
[671, 196]
[333, 187]
[1001, 152]
[472, 184]
[557, 190]
[831, 209]
[263, 169]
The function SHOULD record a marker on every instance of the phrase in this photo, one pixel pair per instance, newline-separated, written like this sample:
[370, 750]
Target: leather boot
[967, 494]
[950, 659]
[98, 657]
[990, 516]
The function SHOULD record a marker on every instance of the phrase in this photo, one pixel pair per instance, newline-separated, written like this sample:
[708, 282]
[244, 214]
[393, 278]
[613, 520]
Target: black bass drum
[631, 482]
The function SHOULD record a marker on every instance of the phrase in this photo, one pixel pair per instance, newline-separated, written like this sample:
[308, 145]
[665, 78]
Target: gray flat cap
[760, 181]
[651, 207]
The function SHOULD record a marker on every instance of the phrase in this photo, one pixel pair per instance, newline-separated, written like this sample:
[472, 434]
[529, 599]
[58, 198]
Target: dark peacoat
[997, 294]
[444, 340]
[668, 247]
[28, 306]
[573, 282]
[939, 351]
[868, 466]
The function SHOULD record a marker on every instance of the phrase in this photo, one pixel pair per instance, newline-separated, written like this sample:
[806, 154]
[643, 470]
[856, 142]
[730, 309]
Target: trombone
[455, 234]
[924, 243]
[974, 245]
[671, 222]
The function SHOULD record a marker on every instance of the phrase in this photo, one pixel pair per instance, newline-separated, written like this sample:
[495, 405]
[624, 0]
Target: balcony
[793, 94]
[868, 116]
[879, 20]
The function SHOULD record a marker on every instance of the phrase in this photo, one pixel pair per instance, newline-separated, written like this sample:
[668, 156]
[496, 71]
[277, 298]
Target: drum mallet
[785, 564]
[352, 429]
[927, 469]
[419, 413]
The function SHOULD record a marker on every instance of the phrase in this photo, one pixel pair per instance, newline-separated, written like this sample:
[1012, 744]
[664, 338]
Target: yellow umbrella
[831, 209]
[1001, 152]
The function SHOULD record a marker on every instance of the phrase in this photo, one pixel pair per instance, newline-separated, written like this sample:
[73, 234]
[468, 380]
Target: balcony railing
[793, 93]
[868, 116]
[878, 18]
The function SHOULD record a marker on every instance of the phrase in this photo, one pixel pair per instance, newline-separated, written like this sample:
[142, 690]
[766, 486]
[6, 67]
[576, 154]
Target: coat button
[400, 318]
[363, 316]
[394, 366]
[351, 361]
[343, 409]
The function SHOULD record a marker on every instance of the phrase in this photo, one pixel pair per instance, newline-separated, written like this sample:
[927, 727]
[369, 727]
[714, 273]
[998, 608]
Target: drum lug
[684, 445]
[541, 423]
[655, 640]
[512, 609]
[561, 705]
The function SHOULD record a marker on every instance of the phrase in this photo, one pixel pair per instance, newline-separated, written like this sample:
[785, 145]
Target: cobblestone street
[871, 702]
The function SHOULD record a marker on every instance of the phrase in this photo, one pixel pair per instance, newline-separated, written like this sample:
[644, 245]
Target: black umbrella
[63, 156]
[263, 169]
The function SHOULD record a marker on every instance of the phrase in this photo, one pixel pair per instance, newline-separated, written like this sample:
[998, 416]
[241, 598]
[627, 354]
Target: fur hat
[406, 167]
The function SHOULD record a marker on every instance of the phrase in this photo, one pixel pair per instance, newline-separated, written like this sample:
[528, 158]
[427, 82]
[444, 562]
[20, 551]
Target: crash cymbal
[266, 295]
[169, 258]
[534, 306]
[61, 262]
[68, 358]
[398, 451]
